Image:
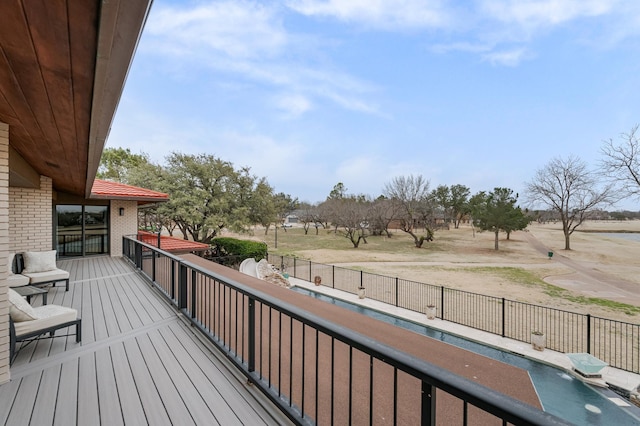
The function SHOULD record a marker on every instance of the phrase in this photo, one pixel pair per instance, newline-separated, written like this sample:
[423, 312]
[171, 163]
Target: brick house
[62, 71]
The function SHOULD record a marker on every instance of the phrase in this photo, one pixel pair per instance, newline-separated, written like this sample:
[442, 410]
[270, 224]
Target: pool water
[560, 393]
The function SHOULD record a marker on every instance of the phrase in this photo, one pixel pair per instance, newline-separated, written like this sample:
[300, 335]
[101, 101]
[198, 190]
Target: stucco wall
[4, 252]
[122, 225]
[31, 217]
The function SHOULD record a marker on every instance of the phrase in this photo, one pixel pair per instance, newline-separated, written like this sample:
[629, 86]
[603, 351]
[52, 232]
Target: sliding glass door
[82, 230]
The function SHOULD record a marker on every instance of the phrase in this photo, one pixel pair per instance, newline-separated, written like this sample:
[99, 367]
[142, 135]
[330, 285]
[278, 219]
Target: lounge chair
[41, 269]
[28, 324]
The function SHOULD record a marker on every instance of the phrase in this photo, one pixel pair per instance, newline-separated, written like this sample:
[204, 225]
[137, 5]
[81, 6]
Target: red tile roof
[171, 244]
[113, 190]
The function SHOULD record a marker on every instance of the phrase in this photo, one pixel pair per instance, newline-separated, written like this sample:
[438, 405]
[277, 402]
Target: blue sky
[309, 93]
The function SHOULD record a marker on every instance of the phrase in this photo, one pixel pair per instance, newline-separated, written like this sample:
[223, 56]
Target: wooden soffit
[63, 64]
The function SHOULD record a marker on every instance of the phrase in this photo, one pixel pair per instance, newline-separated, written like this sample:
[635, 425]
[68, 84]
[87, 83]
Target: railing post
[294, 268]
[503, 315]
[139, 256]
[428, 404]
[588, 333]
[441, 302]
[153, 266]
[173, 279]
[310, 280]
[182, 286]
[361, 279]
[193, 293]
[252, 335]
[396, 291]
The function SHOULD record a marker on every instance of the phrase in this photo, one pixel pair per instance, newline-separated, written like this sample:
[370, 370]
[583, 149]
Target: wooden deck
[138, 363]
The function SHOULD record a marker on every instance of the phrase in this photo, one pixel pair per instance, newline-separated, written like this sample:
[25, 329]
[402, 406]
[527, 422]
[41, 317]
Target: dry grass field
[464, 259]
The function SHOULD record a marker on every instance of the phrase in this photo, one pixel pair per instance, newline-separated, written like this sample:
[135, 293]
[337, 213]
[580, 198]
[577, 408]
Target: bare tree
[350, 214]
[621, 163]
[569, 188]
[412, 197]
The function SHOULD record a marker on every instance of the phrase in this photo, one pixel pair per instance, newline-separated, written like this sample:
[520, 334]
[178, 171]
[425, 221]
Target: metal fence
[315, 371]
[613, 341]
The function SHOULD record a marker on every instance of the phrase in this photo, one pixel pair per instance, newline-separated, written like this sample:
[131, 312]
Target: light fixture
[121, 211]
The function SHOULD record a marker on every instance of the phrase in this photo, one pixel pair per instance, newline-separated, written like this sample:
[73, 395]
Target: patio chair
[41, 269]
[28, 324]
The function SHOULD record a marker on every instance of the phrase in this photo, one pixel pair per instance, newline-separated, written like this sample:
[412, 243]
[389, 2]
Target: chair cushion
[19, 309]
[17, 280]
[41, 277]
[41, 261]
[46, 316]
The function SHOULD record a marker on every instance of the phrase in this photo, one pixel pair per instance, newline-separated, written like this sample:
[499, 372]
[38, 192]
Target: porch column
[4, 252]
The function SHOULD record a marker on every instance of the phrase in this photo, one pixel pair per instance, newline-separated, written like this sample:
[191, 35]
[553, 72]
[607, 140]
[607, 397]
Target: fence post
[396, 291]
[588, 333]
[503, 315]
[361, 280]
[333, 276]
[310, 280]
[182, 287]
[252, 335]
[294, 268]
[441, 302]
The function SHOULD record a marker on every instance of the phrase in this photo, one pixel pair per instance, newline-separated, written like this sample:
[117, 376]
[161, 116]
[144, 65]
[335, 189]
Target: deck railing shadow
[316, 371]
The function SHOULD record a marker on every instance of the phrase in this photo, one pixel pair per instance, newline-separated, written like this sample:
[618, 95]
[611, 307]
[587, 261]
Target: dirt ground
[521, 270]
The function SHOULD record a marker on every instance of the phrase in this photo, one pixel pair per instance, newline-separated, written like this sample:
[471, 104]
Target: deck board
[138, 362]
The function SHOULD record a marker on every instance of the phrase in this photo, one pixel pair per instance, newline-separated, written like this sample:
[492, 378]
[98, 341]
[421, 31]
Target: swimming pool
[560, 393]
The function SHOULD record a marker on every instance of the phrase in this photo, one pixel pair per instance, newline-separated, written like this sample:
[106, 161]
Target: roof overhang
[63, 65]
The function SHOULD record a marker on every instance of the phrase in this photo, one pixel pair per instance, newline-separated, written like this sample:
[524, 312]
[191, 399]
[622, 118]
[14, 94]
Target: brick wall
[31, 217]
[122, 225]
[4, 252]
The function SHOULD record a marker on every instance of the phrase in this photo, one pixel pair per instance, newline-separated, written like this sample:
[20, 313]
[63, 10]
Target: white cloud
[385, 14]
[536, 13]
[238, 29]
[293, 105]
[247, 40]
[510, 58]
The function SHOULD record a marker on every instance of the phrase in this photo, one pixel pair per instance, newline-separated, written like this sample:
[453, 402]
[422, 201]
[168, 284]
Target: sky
[309, 93]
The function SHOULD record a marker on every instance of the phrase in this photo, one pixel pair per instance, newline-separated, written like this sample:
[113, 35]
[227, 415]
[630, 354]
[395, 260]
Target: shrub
[243, 249]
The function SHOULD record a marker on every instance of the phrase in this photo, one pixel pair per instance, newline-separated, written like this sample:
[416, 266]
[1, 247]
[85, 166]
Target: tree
[496, 211]
[459, 203]
[381, 213]
[284, 205]
[442, 196]
[206, 194]
[350, 213]
[338, 191]
[621, 163]
[411, 195]
[116, 163]
[262, 206]
[569, 188]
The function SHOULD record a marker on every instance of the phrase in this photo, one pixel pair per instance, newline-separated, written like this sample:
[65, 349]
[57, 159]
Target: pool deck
[619, 378]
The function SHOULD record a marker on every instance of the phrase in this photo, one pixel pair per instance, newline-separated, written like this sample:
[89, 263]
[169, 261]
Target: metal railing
[615, 342]
[316, 371]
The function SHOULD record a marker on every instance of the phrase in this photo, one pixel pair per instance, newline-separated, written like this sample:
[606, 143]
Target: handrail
[491, 401]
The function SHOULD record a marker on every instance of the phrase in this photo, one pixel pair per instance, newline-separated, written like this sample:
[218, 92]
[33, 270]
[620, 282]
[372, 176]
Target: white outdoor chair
[28, 324]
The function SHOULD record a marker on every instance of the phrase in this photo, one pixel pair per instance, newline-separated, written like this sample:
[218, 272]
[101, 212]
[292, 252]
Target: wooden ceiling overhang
[63, 64]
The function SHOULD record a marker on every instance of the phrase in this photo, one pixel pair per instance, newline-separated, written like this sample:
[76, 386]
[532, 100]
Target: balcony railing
[615, 342]
[316, 371]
